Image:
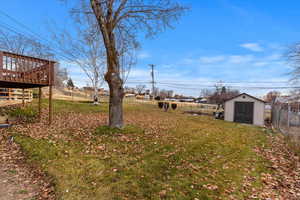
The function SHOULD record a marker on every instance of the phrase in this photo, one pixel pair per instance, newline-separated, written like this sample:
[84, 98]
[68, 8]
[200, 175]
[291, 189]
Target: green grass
[70, 106]
[23, 192]
[26, 114]
[160, 155]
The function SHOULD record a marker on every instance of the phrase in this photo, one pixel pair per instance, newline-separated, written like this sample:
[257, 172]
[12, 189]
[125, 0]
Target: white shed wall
[259, 109]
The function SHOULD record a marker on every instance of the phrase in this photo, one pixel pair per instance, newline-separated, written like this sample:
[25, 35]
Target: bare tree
[170, 93]
[61, 76]
[271, 96]
[206, 92]
[84, 47]
[295, 92]
[222, 94]
[23, 45]
[140, 88]
[119, 22]
[163, 94]
[155, 92]
[293, 56]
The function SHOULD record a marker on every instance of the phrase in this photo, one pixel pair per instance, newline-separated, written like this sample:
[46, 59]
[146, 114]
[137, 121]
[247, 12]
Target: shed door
[243, 112]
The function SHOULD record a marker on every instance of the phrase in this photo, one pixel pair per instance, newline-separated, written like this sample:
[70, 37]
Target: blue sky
[229, 40]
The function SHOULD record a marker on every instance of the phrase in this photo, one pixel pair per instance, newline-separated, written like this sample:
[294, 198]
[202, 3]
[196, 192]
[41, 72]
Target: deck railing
[25, 69]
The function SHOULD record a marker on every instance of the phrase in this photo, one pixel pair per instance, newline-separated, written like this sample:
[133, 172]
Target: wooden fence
[9, 94]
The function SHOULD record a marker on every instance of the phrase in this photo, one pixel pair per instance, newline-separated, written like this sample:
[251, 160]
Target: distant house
[245, 108]
[201, 100]
[101, 91]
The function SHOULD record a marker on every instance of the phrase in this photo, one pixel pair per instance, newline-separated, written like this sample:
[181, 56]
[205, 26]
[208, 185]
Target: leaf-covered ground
[158, 155]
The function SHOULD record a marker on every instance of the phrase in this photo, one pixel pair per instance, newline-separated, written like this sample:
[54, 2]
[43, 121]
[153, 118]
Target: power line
[15, 31]
[224, 82]
[34, 35]
[214, 82]
[22, 25]
[197, 87]
[177, 84]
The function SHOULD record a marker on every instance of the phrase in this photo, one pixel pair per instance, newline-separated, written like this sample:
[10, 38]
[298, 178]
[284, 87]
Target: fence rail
[199, 108]
[16, 68]
[8, 94]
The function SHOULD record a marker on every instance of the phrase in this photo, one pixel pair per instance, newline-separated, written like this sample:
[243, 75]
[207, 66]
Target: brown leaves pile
[21, 180]
[283, 181]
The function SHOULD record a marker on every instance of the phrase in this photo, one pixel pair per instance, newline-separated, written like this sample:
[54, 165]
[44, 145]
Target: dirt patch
[13, 184]
[18, 180]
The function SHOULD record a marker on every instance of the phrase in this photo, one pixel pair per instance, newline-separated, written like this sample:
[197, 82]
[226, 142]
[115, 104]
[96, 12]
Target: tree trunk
[115, 100]
[112, 76]
[96, 96]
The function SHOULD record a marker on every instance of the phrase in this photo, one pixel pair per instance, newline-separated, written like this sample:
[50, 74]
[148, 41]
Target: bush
[27, 114]
[160, 105]
[166, 106]
[174, 106]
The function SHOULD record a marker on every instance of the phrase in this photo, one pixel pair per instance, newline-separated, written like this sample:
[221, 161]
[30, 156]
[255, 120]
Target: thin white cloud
[239, 59]
[252, 47]
[187, 61]
[166, 66]
[212, 59]
[139, 73]
[190, 74]
[143, 55]
[261, 64]
[274, 57]
[220, 59]
[277, 47]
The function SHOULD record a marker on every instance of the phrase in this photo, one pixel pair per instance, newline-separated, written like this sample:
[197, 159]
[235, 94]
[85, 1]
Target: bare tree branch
[84, 47]
[293, 56]
[119, 22]
[23, 45]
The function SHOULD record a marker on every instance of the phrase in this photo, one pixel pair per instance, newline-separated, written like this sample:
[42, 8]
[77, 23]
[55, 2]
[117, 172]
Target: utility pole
[152, 76]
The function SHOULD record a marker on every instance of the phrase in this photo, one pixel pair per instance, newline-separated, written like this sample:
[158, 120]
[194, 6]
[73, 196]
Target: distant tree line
[219, 95]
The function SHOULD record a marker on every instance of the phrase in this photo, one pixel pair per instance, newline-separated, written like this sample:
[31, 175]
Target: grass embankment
[160, 155]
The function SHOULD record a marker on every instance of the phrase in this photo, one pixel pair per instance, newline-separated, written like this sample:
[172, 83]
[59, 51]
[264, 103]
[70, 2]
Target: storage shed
[245, 108]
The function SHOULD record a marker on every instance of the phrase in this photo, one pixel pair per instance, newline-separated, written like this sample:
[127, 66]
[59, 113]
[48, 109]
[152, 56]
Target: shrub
[27, 114]
[166, 106]
[174, 106]
[160, 105]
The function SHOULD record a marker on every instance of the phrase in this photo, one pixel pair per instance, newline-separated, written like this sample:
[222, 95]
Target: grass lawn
[158, 155]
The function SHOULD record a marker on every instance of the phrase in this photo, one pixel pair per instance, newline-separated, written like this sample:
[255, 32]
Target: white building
[245, 108]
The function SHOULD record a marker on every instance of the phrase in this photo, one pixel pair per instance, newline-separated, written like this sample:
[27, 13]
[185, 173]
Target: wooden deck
[19, 71]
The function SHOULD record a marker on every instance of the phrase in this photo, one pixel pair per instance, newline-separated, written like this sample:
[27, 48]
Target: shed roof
[246, 95]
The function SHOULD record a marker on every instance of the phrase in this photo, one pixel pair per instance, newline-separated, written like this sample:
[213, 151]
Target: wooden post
[50, 105]
[9, 94]
[40, 104]
[23, 97]
[1, 64]
[51, 82]
[288, 116]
